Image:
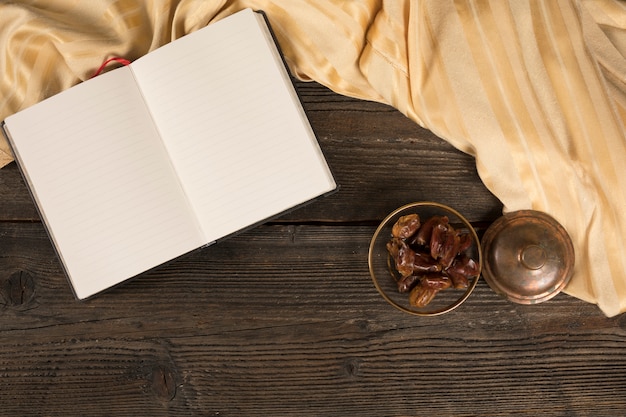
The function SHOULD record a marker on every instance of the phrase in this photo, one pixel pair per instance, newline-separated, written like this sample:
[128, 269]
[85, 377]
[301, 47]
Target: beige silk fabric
[535, 90]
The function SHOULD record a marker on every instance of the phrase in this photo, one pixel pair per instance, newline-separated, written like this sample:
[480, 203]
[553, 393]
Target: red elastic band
[105, 63]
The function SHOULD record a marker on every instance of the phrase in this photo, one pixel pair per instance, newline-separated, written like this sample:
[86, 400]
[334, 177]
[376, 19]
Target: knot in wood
[164, 383]
[351, 366]
[18, 289]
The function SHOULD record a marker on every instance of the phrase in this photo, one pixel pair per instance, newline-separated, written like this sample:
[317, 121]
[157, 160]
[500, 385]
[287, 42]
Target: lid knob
[533, 257]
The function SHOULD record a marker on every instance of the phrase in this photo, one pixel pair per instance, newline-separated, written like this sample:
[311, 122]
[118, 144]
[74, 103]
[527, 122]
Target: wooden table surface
[283, 320]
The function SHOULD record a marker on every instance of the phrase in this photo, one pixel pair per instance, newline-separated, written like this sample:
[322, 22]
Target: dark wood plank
[382, 160]
[284, 320]
[16, 203]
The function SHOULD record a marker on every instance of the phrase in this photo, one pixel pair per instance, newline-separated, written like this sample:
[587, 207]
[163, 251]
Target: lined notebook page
[108, 192]
[233, 126]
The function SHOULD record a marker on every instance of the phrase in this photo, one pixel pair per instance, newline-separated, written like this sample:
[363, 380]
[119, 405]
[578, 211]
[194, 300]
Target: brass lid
[529, 257]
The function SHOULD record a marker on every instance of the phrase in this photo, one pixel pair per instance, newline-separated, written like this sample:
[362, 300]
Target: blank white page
[103, 181]
[233, 125]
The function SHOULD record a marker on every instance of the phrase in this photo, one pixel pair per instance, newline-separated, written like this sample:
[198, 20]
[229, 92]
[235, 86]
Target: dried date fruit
[465, 242]
[459, 281]
[402, 255]
[423, 262]
[438, 238]
[406, 226]
[437, 282]
[450, 248]
[427, 288]
[406, 284]
[422, 237]
[430, 256]
[465, 265]
[421, 295]
[462, 270]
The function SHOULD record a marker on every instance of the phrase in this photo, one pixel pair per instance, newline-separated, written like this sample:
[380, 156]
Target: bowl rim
[468, 291]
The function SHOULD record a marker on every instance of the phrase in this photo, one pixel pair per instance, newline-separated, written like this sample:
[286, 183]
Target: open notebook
[197, 140]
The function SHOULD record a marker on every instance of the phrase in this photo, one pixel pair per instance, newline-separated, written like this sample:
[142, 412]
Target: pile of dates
[430, 257]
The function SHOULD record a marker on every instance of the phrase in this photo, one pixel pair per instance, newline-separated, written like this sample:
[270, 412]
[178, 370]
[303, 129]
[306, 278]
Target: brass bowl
[382, 266]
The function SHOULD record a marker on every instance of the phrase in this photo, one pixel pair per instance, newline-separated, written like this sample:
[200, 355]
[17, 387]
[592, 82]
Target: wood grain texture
[283, 320]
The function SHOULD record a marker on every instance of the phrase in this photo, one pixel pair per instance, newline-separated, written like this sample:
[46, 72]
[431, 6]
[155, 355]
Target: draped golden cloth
[535, 90]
